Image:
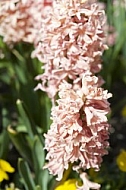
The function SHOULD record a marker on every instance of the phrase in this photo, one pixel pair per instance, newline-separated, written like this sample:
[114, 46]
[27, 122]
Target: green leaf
[38, 156]
[26, 175]
[5, 120]
[4, 144]
[20, 142]
[25, 119]
[43, 179]
[18, 55]
[21, 129]
[4, 138]
[38, 188]
[20, 74]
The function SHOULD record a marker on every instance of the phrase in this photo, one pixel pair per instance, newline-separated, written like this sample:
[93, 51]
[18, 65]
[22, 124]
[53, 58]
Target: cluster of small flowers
[79, 131]
[72, 42]
[20, 20]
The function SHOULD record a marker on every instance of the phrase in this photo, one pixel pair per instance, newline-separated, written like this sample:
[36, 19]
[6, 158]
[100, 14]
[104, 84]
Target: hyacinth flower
[71, 42]
[23, 18]
[79, 131]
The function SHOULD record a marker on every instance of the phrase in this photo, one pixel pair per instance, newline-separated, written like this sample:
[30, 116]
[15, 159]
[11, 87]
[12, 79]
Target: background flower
[4, 168]
[20, 20]
[67, 185]
[11, 187]
[121, 161]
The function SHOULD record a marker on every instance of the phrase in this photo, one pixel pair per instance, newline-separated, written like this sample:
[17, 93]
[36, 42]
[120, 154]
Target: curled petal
[87, 184]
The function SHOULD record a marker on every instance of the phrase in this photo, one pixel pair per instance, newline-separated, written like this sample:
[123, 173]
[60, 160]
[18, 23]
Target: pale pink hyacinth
[20, 20]
[71, 42]
[79, 130]
[87, 184]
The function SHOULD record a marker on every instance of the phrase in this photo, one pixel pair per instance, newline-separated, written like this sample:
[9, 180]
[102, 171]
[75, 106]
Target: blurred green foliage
[25, 116]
